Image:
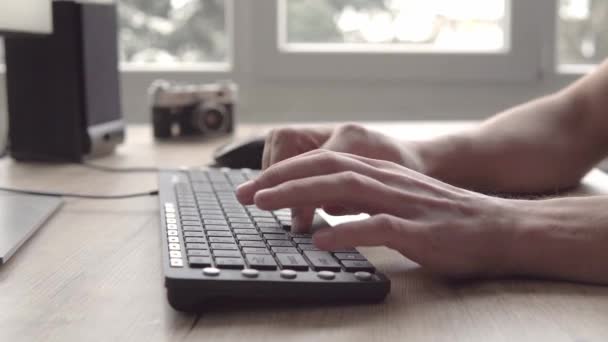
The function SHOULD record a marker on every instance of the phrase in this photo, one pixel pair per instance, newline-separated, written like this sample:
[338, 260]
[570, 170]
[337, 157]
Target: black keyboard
[215, 249]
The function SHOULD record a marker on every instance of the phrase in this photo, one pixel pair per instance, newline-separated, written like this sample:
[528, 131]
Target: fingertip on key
[262, 199]
[324, 239]
[245, 192]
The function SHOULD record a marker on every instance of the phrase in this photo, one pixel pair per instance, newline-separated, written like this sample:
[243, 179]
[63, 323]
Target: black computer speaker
[63, 89]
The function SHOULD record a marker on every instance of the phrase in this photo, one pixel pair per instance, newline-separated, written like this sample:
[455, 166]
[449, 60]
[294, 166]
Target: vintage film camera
[193, 110]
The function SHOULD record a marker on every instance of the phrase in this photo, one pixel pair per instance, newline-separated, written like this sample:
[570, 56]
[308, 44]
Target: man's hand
[449, 230]
[285, 143]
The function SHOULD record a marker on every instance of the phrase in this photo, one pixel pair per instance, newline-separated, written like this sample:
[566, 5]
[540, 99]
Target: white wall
[342, 101]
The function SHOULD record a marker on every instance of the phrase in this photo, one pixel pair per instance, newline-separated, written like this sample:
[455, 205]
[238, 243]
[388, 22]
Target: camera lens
[214, 119]
[210, 118]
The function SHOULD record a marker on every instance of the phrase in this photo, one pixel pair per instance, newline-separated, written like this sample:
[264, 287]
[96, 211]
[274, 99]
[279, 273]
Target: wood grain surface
[92, 273]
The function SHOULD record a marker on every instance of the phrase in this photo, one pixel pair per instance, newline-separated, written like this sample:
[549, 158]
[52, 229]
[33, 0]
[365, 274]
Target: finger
[302, 219]
[267, 150]
[338, 210]
[349, 189]
[380, 230]
[314, 163]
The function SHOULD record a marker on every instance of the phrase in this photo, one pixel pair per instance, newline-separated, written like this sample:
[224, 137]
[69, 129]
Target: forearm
[560, 239]
[537, 147]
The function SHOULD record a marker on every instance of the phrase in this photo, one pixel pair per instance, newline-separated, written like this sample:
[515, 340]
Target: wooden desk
[93, 274]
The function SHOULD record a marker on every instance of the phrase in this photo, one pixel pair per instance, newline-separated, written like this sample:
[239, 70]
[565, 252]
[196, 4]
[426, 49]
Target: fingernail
[244, 192]
[245, 185]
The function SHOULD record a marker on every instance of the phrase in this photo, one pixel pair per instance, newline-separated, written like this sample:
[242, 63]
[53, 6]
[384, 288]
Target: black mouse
[241, 154]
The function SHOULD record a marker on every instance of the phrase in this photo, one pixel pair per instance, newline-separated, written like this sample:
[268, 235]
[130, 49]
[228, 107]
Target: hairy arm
[544, 145]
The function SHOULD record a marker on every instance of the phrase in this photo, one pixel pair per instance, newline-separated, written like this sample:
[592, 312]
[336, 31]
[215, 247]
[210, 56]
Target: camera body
[193, 110]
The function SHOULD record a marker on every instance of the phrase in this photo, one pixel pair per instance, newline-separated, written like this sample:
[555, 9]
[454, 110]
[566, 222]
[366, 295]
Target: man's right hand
[285, 143]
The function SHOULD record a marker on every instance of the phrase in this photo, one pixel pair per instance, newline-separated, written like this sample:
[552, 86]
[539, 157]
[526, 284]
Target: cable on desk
[120, 169]
[83, 196]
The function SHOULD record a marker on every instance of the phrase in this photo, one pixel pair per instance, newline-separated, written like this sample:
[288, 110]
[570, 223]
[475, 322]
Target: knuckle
[354, 180]
[285, 134]
[352, 128]
[329, 159]
[388, 225]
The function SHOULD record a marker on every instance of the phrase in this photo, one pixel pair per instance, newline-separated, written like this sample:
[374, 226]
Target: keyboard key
[252, 244]
[242, 237]
[263, 214]
[270, 225]
[195, 218]
[235, 215]
[192, 223]
[264, 220]
[272, 230]
[197, 234]
[243, 225]
[245, 231]
[197, 246]
[227, 253]
[255, 250]
[221, 239]
[261, 262]
[290, 250]
[235, 210]
[192, 228]
[229, 246]
[176, 262]
[322, 261]
[173, 239]
[217, 227]
[239, 220]
[205, 212]
[198, 252]
[231, 263]
[349, 256]
[358, 265]
[220, 233]
[174, 246]
[199, 262]
[308, 247]
[276, 236]
[303, 240]
[213, 217]
[280, 243]
[195, 240]
[214, 222]
[292, 261]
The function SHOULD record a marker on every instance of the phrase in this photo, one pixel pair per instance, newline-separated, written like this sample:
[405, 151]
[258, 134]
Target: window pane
[165, 33]
[410, 25]
[171, 33]
[582, 31]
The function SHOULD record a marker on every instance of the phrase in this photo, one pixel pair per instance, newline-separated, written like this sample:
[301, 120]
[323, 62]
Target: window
[406, 25]
[465, 40]
[173, 34]
[582, 33]
[311, 59]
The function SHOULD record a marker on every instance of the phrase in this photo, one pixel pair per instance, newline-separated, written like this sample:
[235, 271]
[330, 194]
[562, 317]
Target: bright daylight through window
[171, 33]
[409, 25]
[583, 32]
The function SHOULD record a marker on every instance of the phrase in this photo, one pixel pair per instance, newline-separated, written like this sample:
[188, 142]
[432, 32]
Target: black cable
[84, 196]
